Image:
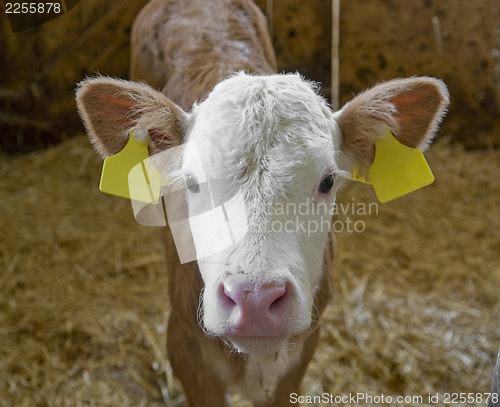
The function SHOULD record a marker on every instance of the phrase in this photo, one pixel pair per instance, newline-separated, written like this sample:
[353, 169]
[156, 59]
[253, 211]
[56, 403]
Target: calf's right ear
[110, 108]
[411, 108]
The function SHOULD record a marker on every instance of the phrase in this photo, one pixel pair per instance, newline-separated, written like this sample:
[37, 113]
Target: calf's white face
[265, 145]
[269, 154]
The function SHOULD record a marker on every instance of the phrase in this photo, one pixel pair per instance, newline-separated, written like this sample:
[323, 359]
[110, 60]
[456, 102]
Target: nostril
[226, 297]
[227, 294]
[276, 304]
[278, 299]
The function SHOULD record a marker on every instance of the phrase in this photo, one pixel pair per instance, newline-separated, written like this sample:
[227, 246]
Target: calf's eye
[326, 185]
[192, 184]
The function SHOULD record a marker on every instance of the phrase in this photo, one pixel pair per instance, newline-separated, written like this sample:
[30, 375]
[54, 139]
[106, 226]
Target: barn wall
[41, 67]
[302, 37]
[456, 40]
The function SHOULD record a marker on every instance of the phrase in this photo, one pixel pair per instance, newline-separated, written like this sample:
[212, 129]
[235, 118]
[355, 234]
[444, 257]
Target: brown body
[184, 48]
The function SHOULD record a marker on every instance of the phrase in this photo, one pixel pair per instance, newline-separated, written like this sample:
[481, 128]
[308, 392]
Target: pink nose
[255, 308]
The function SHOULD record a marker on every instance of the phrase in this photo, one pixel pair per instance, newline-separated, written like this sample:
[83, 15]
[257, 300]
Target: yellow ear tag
[397, 169]
[357, 177]
[128, 174]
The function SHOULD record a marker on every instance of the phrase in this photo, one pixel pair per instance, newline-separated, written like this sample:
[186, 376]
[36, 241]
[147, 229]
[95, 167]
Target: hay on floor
[83, 301]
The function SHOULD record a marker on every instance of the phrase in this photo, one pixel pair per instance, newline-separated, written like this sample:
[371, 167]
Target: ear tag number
[122, 176]
[397, 169]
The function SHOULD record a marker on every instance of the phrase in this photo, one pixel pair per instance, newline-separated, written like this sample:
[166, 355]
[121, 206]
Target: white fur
[271, 136]
[263, 373]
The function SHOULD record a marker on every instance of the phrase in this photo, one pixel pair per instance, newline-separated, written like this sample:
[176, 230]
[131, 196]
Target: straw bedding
[83, 302]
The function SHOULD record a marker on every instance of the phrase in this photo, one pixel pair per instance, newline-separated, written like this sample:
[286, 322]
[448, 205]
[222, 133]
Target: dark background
[455, 40]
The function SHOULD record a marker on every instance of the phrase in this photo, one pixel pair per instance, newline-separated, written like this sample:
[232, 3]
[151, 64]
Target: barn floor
[83, 300]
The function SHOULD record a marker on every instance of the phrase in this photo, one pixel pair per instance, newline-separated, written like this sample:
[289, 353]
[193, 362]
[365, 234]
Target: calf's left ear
[411, 108]
[111, 108]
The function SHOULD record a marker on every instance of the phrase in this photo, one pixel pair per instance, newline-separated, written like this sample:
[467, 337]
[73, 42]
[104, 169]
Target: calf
[245, 318]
